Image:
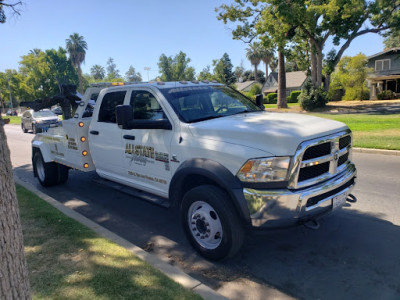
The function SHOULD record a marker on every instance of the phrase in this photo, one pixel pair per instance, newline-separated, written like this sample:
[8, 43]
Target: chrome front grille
[320, 159]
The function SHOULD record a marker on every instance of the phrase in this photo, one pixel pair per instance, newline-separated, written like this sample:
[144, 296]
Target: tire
[24, 130]
[211, 223]
[36, 130]
[47, 173]
[62, 173]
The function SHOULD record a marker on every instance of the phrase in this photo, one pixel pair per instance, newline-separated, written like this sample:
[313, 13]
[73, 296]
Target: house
[386, 72]
[294, 82]
[245, 86]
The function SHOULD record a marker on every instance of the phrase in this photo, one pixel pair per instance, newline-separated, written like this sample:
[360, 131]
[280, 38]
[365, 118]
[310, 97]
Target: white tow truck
[228, 165]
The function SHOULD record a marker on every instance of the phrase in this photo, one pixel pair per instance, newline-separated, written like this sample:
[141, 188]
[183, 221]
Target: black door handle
[129, 137]
[95, 132]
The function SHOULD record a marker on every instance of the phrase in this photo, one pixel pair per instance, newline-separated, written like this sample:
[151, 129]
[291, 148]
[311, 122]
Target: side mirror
[124, 115]
[259, 101]
[125, 120]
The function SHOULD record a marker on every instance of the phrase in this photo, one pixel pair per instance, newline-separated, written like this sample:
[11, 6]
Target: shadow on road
[353, 255]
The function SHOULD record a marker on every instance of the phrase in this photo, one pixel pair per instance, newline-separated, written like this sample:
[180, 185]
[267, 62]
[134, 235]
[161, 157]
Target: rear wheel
[47, 173]
[35, 129]
[211, 222]
[24, 130]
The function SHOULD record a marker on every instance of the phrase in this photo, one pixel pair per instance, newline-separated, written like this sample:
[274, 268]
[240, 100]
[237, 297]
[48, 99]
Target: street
[354, 255]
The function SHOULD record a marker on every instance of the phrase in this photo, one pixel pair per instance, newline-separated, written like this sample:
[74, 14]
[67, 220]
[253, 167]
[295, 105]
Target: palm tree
[98, 72]
[76, 47]
[267, 56]
[273, 65]
[253, 54]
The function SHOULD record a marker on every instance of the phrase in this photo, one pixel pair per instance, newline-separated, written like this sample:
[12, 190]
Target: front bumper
[284, 207]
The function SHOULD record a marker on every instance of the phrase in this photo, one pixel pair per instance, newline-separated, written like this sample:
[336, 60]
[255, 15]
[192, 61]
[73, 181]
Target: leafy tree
[239, 70]
[112, 71]
[175, 68]
[249, 75]
[392, 40]
[76, 47]
[60, 67]
[351, 74]
[205, 74]
[273, 65]
[318, 21]
[98, 72]
[132, 76]
[223, 70]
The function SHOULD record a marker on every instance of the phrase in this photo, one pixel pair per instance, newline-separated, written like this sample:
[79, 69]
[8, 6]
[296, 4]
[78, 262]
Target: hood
[275, 133]
[44, 119]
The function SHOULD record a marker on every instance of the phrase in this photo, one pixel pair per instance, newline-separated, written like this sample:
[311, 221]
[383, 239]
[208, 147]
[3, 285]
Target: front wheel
[211, 222]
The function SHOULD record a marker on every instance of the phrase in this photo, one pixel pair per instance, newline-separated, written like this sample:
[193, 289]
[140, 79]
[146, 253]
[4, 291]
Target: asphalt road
[354, 255]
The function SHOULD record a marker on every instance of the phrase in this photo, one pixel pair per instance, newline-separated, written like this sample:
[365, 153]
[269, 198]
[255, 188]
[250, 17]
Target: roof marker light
[81, 124]
[83, 139]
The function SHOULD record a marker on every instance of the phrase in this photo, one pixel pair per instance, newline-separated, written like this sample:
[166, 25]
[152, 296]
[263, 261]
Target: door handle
[95, 132]
[129, 137]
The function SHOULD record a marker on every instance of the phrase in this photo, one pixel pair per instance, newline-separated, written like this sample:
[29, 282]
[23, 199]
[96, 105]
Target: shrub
[255, 89]
[385, 95]
[293, 98]
[312, 98]
[272, 98]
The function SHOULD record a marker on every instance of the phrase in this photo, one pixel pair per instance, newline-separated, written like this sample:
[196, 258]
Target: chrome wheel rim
[205, 225]
[40, 169]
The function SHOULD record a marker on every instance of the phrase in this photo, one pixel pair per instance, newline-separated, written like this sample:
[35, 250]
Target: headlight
[267, 169]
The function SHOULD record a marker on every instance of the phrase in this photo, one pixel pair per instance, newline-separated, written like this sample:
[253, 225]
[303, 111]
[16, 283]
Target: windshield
[194, 104]
[43, 114]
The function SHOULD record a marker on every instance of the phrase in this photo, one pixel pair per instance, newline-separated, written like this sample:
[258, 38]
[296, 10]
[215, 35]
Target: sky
[134, 33]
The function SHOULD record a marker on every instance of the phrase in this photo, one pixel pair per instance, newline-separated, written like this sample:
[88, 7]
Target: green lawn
[66, 260]
[371, 131]
[274, 105]
[13, 119]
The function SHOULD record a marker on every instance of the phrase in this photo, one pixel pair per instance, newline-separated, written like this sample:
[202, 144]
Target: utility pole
[147, 69]
[9, 90]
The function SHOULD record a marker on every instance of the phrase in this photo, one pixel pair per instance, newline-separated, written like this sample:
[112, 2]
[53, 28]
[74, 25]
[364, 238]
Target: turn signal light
[84, 152]
[83, 139]
[86, 165]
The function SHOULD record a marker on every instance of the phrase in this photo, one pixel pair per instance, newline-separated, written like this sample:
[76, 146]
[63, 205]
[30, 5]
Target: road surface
[354, 255]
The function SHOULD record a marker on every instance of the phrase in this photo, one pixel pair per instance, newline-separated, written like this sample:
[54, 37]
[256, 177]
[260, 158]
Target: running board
[134, 192]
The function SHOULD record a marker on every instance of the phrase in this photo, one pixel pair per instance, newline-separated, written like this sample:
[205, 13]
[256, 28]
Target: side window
[145, 106]
[107, 108]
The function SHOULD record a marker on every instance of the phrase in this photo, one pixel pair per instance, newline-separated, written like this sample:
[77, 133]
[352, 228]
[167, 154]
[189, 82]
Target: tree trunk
[255, 72]
[14, 282]
[80, 80]
[266, 72]
[282, 103]
[319, 66]
[313, 65]
[327, 81]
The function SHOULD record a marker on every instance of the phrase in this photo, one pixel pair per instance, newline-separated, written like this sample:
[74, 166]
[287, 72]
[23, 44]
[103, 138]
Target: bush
[312, 98]
[356, 94]
[293, 98]
[385, 95]
[272, 98]
[255, 89]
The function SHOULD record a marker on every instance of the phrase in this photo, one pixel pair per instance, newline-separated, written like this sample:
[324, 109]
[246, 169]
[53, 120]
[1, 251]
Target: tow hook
[351, 198]
[312, 224]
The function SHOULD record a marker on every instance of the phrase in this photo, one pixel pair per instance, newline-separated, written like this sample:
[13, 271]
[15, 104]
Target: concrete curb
[172, 272]
[377, 151]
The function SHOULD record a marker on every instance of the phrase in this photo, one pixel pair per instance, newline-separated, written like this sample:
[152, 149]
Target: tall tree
[132, 76]
[341, 20]
[175, 68]
[223, 70]
[112, 71]
[98, 72]
[392, 40]
[14, 281]
[76, 47]
[253, 54]
[205, 74]
[267, 55]
[239, 70]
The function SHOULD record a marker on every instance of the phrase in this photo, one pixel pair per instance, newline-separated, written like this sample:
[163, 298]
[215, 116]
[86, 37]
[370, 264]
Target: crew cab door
[147, 151]
[105, 137]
